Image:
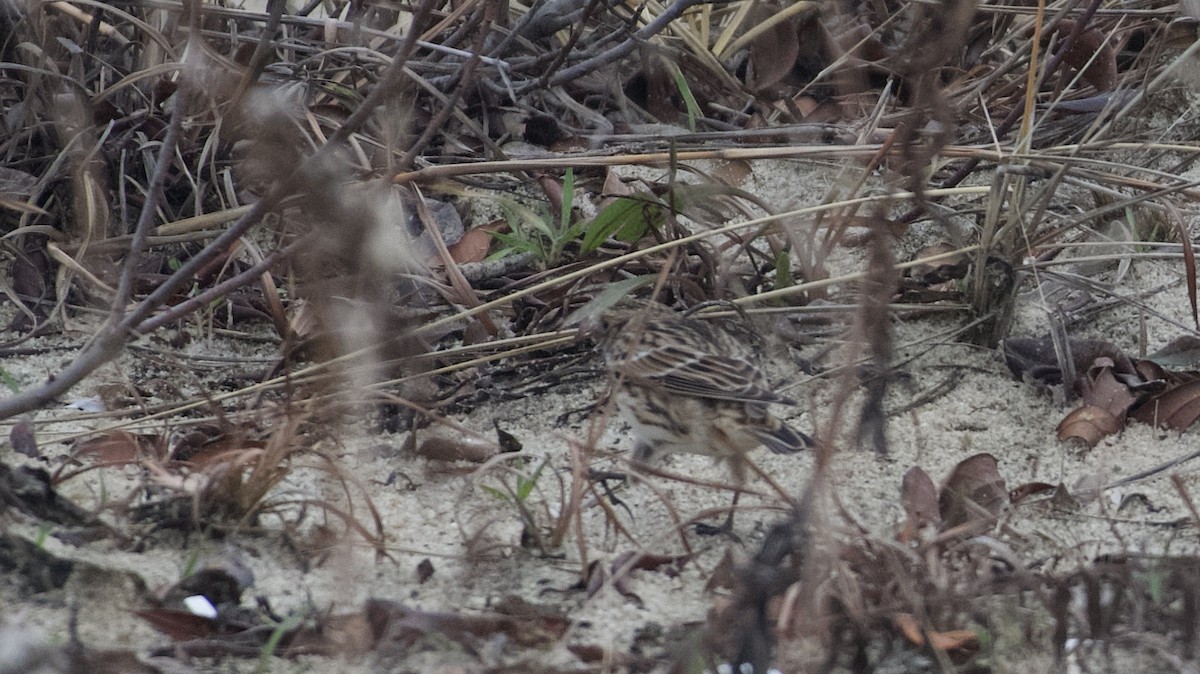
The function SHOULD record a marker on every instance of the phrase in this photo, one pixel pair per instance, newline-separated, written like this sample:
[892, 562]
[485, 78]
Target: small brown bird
[687, 385]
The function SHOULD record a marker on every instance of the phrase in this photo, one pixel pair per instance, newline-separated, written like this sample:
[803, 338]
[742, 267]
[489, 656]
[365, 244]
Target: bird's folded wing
[700, 374]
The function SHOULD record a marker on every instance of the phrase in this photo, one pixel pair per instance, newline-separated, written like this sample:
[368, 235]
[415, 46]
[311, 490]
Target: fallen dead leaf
[773, 52]
[1092, 54]
[475, 243]
[952, 640]
[734, 172]
[121, 447]
[1101, 388]
[1177, 408]
[1090, 424]
[919, 497]
[1181, 352]
[1022, 492]
[23, 439]
[973, 493]
[179, 624]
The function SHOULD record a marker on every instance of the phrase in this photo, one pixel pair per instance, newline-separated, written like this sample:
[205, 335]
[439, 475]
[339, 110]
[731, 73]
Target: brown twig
[111, 340]
[216, 292]
[1182, 490]
[463, 80]
[1015, 114]
[660, 22]
[154, 192]
[262, 51]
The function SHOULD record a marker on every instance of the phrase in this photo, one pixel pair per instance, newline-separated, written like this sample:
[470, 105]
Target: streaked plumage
[686, 385]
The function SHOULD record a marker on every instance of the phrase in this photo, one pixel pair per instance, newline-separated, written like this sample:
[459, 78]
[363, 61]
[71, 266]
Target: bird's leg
[725, 529]
[728, 526]
[602, 477]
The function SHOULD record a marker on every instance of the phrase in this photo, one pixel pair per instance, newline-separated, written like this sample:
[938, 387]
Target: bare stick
[113, 338]
[166, 155]
[651, 29]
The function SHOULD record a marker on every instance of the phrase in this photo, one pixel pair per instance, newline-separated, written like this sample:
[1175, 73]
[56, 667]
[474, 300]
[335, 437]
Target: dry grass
[188, 170]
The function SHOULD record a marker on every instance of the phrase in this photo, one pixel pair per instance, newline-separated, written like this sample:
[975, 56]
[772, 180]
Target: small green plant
[689, 99]
[783, 270]
[282, 629]
[191, 564]
[544, 525]
[538, 232]
[626, 219]
[519, 491]
[9, 381]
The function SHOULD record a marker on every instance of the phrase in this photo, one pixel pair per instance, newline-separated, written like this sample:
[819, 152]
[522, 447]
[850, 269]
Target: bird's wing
[698, 373]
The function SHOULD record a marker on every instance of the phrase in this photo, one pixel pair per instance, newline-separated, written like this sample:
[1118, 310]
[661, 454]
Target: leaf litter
[315, 470]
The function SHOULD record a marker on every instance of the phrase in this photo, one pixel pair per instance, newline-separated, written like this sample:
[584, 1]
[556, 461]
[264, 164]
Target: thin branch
[660, 22]
[463, 78]
[154, 192]
[218, 291]
[262, 51]
[110, 342]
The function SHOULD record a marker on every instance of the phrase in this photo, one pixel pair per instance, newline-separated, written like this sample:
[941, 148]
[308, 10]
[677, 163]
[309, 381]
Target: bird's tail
[784, 439]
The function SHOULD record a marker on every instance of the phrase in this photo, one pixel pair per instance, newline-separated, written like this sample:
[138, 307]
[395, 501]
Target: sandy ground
[447, 515]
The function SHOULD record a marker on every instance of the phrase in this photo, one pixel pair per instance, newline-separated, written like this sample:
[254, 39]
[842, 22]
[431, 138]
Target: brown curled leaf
[1024, 491]
[1090, 424]
[1101, 387]
[472, 247]
[23, 438]
[1177, 408]
[1091, 54]
[179, 624]
[973, 493]
[773, 52]
[919, 497]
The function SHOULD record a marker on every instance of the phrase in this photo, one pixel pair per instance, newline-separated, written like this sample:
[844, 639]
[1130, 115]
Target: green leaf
[515, 243]
[510, 210]
[608, 298]
[566, 232]
[494, 492]
[1154, 580]
[340, 90]
[703, 202]
[568, 200]
[783, 270]
[522, 218]
[689, 100]
[282, 629]
[627, 219]
[8, 380]
[541, 226]
[525, 485]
